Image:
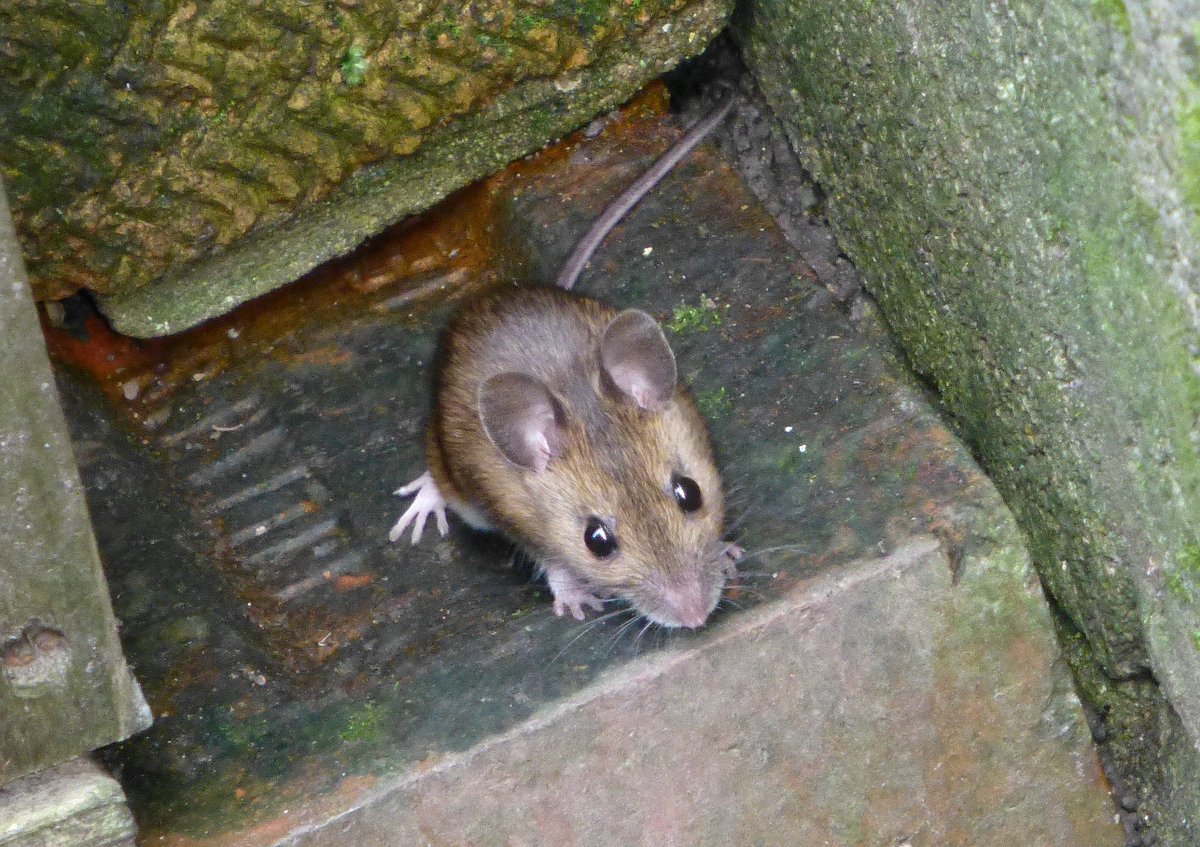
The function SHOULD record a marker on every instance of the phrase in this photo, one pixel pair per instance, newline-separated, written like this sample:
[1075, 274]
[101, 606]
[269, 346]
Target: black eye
[601, 540]
[687, 493]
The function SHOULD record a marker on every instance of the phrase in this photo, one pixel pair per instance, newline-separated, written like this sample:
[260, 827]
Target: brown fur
[616, 460]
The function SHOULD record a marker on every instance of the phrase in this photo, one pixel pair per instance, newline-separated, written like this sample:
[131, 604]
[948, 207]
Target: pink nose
[693, 620]
[688, 604]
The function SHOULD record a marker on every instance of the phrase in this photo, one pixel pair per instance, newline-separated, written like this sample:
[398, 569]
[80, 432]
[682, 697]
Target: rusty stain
[951, 540]
[16, 654]
[38, 656]
[428, 763]
[47, 640]
[193, 670]
[349, 582]
[33, 642]
[426, 257]
[349, 792]
[328, 356]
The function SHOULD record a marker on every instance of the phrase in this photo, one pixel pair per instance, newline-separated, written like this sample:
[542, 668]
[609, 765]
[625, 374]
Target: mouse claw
[428, 501]
[571, 594]
[575, 606]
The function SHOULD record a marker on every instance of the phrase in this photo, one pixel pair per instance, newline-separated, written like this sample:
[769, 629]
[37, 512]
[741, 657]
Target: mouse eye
[601, 540]
[687, 493]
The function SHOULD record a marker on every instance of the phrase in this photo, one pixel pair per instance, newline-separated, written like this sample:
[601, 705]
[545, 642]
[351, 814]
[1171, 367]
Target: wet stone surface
[294, 658]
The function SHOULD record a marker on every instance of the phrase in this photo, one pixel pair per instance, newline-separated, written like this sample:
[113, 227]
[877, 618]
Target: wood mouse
[561, 422]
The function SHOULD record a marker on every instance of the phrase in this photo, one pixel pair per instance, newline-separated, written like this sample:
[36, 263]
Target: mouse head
[620, 475]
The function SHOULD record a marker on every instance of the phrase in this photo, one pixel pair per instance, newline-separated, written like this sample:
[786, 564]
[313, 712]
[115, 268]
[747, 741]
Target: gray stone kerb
[779, 725]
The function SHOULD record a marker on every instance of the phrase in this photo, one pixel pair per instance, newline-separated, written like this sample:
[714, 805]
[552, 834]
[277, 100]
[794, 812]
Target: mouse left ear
[522, 418]
[637, 359]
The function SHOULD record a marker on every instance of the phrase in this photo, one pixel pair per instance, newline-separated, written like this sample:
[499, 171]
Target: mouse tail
[616, 210]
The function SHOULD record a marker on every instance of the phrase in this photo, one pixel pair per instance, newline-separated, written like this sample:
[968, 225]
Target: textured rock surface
[886, 673]
[64, 686]
[795, 724]
[1016, 184]
[226, 148]
[74, 804]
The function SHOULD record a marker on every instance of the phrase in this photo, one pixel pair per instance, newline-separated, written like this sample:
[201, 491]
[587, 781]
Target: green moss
[1181, 587]
[489, 40]
[788, 461]
[1189, 152]
[243, 733]
[1114, 13]
[1150, 753]
[708, 315]
[527, 22]
[715, 402]
[590, 13]
[222, 115]
[354, 65]
[524, 611]
[448, 27]
[1183, 581]
[366, 723]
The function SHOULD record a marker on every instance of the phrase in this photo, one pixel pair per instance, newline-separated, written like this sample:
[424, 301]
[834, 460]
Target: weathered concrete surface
[1016, 184]
[879, 704]
[73, 804]
[64, 686]
[312, 681]
[184, 158]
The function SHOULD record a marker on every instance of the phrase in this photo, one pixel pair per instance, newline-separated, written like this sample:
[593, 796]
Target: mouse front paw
[571, 594]
[428, 501]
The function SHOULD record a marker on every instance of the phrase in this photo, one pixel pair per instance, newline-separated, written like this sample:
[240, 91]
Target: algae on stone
[227, 148]
[1008, 179]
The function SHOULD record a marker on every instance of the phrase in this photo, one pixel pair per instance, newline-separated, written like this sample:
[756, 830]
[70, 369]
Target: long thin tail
[616, 210]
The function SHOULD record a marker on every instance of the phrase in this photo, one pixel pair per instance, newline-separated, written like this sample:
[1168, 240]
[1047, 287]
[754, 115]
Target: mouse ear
[637, 359]
[522, 419]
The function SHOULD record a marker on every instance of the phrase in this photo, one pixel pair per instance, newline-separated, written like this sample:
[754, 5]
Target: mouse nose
[689, 603]
[693, 620]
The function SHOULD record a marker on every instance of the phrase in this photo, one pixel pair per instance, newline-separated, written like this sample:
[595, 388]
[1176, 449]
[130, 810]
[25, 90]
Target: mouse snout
[686, 603]
[692, 619]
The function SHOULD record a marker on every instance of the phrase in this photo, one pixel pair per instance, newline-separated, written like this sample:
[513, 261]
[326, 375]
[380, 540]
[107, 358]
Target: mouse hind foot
[428, 500]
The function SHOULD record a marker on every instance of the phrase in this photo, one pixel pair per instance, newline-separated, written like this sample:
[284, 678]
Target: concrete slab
[885, 672]
[72, 804]
[851, 711]
[65, 688]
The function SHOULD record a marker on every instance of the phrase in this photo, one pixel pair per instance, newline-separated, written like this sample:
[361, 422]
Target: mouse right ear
[522, 418]
[638, 360]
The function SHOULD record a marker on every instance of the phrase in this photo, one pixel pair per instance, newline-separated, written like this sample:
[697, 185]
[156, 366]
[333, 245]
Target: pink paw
[571, 594]
[575, 603]
[428, 501]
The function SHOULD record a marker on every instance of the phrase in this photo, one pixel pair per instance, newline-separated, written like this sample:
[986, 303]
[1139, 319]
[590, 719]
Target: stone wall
[184, 157]
[65, 687]
[1016, 181]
